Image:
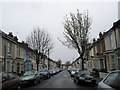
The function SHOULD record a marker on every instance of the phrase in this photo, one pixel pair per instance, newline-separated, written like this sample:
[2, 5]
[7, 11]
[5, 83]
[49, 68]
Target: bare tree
[58, 63]
[76, 32]
[67, 64]
[40, 41]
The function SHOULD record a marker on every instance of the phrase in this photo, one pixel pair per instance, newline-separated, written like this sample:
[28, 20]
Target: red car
[9, 81]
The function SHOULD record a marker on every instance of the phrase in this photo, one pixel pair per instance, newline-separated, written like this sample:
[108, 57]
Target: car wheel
[77, 81]
[74, 81]
[48, 76]
[92, 84]
[39, 80]
[35, 82]
[18, 87]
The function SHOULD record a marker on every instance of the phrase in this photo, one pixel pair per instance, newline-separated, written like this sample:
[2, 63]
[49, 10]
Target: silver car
[112, 80]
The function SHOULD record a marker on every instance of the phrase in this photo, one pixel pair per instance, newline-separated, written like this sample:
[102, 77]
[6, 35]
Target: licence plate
[88, 80]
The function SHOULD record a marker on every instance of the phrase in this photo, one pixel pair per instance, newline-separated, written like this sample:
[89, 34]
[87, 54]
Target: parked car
[54, 71]
[45, 74]
[73, 71]
[29, 77]
[69, 70]
[112, 80]
[51, 72]
[83, 77]
[9, 81]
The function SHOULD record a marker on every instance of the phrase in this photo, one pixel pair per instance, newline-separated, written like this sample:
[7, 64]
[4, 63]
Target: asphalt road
[60, 80]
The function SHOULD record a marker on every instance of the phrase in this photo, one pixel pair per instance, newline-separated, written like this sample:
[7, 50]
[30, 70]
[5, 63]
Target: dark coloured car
[30, 77]
[69, 70]
[45, 74]
[83, 77]
[51, 72]
[54, 71]
[9, 81]
[72, 71]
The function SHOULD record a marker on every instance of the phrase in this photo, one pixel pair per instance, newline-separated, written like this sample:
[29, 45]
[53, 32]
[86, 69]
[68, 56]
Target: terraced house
[17, 57]
[104, 53]
[52, 64]
[76, 63]
[112, 38]
[29, 56]
[11, 53]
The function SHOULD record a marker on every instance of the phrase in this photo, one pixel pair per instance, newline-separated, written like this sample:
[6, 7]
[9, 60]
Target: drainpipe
[5, 58]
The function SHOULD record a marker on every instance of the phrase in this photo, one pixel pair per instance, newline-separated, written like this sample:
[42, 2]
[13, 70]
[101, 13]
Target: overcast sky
[21, 17]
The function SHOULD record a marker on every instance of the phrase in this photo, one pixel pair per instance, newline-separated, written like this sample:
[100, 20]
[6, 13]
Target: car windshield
[29, 73]
[73, 70]
[83, 72]
[113, 80]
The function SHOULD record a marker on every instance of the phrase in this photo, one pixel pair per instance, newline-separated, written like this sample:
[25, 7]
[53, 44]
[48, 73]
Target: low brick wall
[102, 74]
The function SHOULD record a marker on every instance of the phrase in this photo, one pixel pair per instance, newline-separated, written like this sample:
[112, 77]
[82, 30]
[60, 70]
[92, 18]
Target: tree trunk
[82, 60]
[82, 64]
[37, 66]
[37, 62]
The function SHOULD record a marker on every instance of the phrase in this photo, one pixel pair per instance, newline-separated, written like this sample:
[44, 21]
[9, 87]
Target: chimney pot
[94, 40]
[100, 34]
[10, 34]
[15, 38]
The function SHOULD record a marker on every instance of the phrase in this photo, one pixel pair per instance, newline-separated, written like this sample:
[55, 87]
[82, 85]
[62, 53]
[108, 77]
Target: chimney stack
[10, 34]
[15, 38]
[100, 35]
[94, 40]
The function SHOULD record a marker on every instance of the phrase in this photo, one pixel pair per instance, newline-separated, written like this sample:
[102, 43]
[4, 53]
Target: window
[113, 62]
[11, 76]
[110, 37]
[83, 72]
[29, 73]
[9, 48]
[112, 41]
[102, 66]
[100, 48]
[118, 63]
[113, 80]
[96, 49]
[4, 77]
[18, 67]
[18, 51]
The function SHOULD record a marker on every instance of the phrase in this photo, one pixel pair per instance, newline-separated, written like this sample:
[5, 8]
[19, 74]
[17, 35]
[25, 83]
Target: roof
[4, 35]
[115, 25]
